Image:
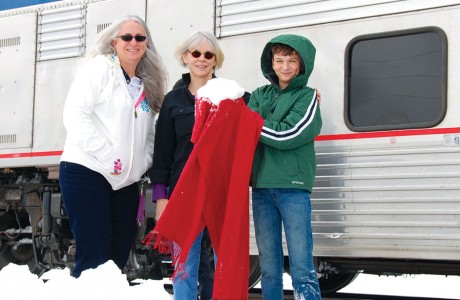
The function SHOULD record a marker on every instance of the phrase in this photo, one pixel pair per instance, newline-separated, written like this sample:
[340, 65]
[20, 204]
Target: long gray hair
[150, 67]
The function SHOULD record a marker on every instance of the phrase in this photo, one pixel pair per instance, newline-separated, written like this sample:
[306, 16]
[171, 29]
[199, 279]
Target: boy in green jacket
[284, 166]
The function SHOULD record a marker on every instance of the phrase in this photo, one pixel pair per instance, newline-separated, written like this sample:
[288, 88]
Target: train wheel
[328, 283]
[331, 277]
[5, 256]
[331, 283]
[21, 255]
[254, 271]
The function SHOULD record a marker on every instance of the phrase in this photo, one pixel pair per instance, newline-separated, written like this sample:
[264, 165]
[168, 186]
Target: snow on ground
[107, 282]
[430, 286]
[104, 282]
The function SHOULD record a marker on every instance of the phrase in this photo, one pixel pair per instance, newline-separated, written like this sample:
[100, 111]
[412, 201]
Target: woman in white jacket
[109, 117]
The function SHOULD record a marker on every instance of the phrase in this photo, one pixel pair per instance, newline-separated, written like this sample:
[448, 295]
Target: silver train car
[387, 193]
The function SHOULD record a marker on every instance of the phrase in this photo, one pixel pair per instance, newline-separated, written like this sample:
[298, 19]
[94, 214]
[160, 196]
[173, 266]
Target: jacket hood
[302, 45]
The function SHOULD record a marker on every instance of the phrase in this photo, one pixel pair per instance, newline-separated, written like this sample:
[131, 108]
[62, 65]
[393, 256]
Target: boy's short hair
[283, 49]
[286, 50]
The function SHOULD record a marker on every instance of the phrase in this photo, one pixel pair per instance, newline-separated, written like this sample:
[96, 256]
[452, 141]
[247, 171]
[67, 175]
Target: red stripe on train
[31, 154]
[324, 137]
[380, 134]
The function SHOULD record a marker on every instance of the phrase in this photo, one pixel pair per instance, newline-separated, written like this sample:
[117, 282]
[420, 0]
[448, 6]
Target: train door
[17, 84]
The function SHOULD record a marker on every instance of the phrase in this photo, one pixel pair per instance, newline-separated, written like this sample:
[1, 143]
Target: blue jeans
[103, 221]
[187, 288]
[292, 208]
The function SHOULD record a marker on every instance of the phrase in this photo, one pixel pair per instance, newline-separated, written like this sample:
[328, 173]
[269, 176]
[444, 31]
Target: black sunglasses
[195, 53]
[128, 37]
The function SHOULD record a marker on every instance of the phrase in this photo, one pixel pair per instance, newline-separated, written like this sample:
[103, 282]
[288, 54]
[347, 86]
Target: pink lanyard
[138, 102]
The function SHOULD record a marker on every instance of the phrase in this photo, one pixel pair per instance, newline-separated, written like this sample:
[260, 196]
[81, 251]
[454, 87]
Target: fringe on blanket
[166, 246]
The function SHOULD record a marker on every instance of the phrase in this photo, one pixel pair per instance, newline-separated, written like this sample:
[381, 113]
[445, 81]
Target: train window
[396, 80]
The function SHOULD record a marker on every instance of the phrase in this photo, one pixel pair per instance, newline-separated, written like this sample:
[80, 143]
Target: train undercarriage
[34, 231]
[34, 228]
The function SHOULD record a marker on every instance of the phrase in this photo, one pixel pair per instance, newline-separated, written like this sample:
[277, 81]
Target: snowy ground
[430, 286]
[107, 282]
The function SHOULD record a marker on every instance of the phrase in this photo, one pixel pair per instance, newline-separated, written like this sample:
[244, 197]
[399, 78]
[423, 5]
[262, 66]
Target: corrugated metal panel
[234, 17]
[401, 203]
[61, 32]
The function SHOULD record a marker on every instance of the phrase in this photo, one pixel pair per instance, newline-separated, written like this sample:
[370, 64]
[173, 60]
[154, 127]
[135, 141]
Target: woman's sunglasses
[195, 53]
[128, 37]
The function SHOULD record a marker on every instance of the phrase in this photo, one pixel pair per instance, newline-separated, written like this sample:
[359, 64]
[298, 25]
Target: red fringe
[166, 246]
[159, 242]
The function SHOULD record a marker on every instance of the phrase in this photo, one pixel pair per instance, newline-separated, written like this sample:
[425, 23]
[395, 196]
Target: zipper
[272, 106]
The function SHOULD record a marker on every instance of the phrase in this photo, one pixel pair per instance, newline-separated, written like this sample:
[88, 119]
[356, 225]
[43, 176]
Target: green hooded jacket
[285, 156]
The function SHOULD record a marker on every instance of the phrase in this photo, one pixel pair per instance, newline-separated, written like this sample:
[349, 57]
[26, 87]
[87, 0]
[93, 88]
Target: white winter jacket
[105, 132]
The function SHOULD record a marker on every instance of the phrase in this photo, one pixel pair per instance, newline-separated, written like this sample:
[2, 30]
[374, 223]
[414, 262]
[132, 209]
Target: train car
[387, 192]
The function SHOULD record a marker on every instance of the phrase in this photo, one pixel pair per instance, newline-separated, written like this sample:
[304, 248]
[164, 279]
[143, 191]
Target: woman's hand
[161, 205]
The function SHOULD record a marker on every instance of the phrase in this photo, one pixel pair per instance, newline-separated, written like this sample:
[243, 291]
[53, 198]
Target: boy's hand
[318, 95]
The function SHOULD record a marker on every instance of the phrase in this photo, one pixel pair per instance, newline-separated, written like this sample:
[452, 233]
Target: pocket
[293, 164]
[104, 159]
[184, 119]
[117, 163]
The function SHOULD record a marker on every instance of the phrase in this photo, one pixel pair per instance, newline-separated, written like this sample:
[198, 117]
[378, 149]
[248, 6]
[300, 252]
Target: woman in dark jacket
[203, 55]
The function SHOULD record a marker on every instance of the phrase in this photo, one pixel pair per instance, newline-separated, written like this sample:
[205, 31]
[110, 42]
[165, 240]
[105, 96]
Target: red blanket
[213, 191]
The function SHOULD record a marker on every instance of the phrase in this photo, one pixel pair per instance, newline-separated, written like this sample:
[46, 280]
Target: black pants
[103, 221]
[206, 268]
